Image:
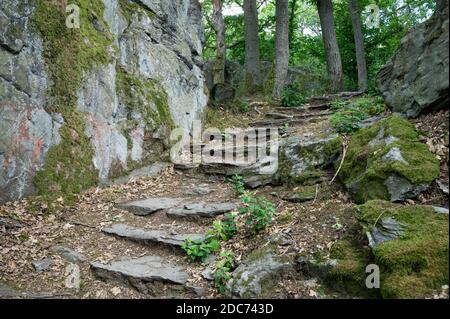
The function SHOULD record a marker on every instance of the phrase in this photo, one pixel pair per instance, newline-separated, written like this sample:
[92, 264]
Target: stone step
[202, 210]
[150, 205]
[146, 236]
[141, 273]
[281, 122]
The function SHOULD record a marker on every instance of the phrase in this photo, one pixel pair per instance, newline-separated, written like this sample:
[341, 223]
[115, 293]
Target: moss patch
[128, 8]
[146, 97]
[68, 167]
[416, 263]
[349, 273]
[69, 55]
[365, 166]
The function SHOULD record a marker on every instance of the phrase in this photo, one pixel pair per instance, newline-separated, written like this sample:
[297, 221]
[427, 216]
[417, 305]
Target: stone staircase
[154, 274]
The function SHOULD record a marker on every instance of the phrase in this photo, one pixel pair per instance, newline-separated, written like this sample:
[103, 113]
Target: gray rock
[394, 155]
[441, 210]
[250, 277]
[387, 229]
[149, 236]
[443, 187]
[9, 223]
[305, 154]
[42, 265]
[150, 205]
[8, 292]
[208, 273]
[401, 189]
[416, 79]
[197, 191]
[141, 272]
[68, 254]
[201, 210]
[223, 93]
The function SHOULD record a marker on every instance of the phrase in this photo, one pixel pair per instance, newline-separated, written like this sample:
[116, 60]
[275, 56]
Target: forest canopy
[306, 49]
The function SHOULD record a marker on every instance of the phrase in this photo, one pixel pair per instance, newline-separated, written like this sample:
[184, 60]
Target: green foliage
[226, 229]
[305, 38]
[224, 265]
[237, 182]
[258, 211]
[348, 116]
[292, 97]
[200, 249]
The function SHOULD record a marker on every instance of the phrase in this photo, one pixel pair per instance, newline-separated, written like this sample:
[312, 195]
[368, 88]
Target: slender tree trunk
[333, 56]
[292, 20]
[281, 47]
[252, 54]
[359, 44]
[219, 24]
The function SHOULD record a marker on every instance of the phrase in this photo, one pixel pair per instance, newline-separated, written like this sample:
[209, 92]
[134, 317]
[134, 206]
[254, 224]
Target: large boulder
[410, 250]
[416, 78]
[78, 110]
[414, 262]
[387, 161]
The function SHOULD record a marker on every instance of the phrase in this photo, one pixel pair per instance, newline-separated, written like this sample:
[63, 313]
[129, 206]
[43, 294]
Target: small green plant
[229, 226]
[258, 211]
[238, 185]
[244, 106]
[338, 105]
[224, 265]
[200, 249]
[292, 97]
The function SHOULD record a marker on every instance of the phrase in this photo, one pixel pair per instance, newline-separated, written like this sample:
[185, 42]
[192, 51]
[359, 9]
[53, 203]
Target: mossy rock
[301, 194]
[387, 161]
[70, 54]
[304, 160]
[416, 263]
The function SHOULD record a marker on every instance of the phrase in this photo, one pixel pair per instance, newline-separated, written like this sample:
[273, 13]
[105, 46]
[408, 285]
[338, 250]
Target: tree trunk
[281, 47]
[333, 56]
[219, 25]
[252, 55]
[359, 45]
[292, 20]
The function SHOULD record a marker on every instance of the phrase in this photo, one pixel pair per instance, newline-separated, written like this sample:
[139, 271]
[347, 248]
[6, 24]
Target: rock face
[416, 78]
[118, 89]
[387, 161]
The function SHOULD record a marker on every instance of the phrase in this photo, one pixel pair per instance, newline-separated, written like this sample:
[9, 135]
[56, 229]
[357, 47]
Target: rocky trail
[125, 239]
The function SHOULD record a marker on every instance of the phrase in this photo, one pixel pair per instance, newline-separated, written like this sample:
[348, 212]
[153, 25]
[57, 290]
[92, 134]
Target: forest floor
[312, 227]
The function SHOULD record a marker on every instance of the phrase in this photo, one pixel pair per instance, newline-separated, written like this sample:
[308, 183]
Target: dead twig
[317, 193]
[345, 143]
